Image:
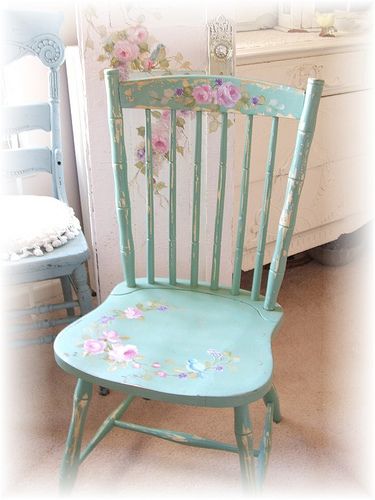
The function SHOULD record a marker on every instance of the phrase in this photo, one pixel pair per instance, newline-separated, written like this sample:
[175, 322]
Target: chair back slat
[296, 178]
[267, 191]
[196, 201]
[26, 161]
[150, 200]
[241, 225]
[172, 200]
[16, 119]
[215, 269]
[120, 171]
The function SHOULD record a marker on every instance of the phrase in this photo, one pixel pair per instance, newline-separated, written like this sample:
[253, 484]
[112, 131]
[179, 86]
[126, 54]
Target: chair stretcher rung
[42, 309]
[47, 323]
[177, 437]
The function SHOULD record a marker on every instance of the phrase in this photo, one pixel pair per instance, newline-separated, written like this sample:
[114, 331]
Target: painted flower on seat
[122, 353]
[162, 308]
[133, 313]
[106, 319]
[111, 336]
[93, 346]
[109, 346]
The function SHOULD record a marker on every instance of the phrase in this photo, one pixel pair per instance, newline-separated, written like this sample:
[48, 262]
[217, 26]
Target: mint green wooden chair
[188, 342]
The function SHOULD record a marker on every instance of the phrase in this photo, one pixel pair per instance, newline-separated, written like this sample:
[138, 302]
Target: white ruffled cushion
[33, 225]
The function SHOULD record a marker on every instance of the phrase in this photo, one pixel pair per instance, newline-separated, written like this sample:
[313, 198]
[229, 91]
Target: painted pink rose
[126, 51]
[137, 34]
[203, 94]
[133, 313]
[162, 374]
[160, 144]
[93, 346]
[155, 365]
[122, 353]
[111, 336]
[227, 94]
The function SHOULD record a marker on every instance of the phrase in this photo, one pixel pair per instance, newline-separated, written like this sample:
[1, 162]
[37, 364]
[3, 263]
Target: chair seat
[61, 262]
[172, 343]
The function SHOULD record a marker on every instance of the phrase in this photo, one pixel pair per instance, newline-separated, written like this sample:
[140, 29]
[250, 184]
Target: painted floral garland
[134, 49]
[115, 350]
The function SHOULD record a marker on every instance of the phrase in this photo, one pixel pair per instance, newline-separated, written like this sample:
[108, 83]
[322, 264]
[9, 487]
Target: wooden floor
[322, 446]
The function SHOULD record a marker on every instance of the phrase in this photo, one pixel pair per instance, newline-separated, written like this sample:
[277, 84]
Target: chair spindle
[120, 170]
[150, 201]
[241, 227]
[172, 200]
[220, 204]
[196, 201]
[262, 236]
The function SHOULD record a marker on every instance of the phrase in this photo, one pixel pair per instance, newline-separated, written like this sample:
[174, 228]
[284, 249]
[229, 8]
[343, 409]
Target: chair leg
[272, 397]
[85, 301]
[70, 463]
[244, 437]
[83, 289]
[67, 292]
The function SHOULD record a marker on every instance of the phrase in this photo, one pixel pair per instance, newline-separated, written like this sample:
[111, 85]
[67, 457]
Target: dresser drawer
[343, 72]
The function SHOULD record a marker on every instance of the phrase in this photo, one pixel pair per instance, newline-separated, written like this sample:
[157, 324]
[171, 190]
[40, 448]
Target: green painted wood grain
[172, 200]
[70, 463]
[194, 273]
[215, 268]
[177, 437]
[296, 178]
[265, 445]
[262, 236]
[120, 172]
[150, 200]
[106, 427]
[243, 430]
[244, 193]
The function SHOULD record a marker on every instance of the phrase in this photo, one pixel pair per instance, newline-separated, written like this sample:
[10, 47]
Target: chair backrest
[22, 36]
[221, 95]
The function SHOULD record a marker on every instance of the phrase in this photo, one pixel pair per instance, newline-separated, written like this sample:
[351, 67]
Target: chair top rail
[24, 118]
[212, 93]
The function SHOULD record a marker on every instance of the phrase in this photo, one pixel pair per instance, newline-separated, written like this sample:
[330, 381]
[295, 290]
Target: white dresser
[337, 193]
